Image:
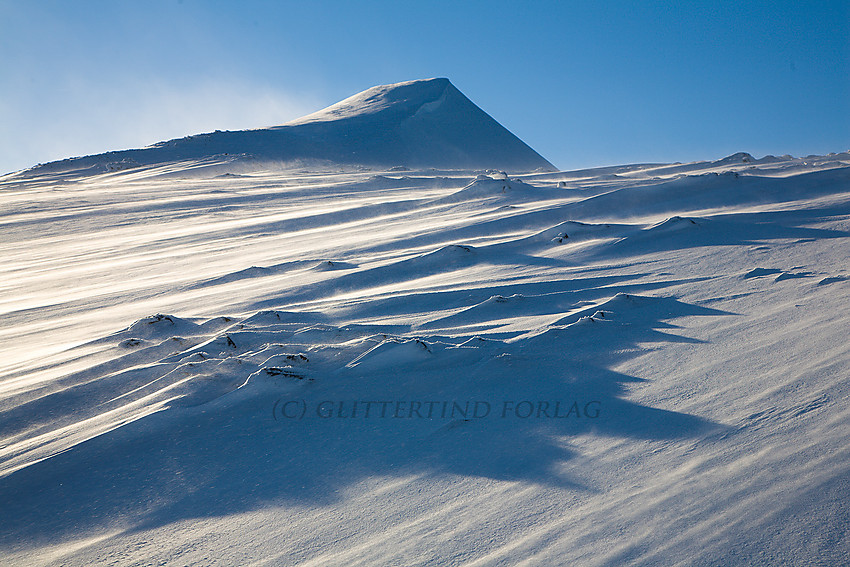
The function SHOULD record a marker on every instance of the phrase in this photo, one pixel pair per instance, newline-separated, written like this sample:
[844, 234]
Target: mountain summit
[418, 123]
[424, 123]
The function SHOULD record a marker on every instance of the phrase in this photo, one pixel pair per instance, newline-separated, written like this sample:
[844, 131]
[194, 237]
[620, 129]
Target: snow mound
[392, 353]
[158, 326]
[792, 276]
[247, 273]
[487, 186]
[276, 377]
[500, 299]
[761, 272]
[781, 275]
[329, 265]
[675, 223]
[452, 255]
[833, 279]
[573, 231]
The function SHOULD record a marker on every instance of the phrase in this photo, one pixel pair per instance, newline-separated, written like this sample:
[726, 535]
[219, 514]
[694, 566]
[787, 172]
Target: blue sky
[583, 83]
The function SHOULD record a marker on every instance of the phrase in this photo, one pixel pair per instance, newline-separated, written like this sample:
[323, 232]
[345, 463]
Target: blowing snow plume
[425, 123]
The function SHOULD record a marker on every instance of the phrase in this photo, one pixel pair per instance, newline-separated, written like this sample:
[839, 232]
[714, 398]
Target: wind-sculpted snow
[272, 378]
[639, 364]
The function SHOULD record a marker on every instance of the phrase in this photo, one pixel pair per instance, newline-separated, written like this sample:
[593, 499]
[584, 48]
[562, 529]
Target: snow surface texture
[641, 364]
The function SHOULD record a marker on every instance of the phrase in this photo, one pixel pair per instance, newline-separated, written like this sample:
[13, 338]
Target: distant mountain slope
[425, 123]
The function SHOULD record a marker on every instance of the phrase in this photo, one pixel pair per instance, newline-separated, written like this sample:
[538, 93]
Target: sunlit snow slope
[202, 364]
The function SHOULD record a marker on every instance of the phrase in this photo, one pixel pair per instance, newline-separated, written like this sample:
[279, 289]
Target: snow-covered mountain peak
[409, 95]
[423, 124]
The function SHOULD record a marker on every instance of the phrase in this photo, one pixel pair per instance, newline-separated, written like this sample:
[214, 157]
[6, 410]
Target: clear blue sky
[584, 83]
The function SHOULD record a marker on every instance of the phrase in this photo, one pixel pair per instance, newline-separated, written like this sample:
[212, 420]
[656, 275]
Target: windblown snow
[435, 355]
